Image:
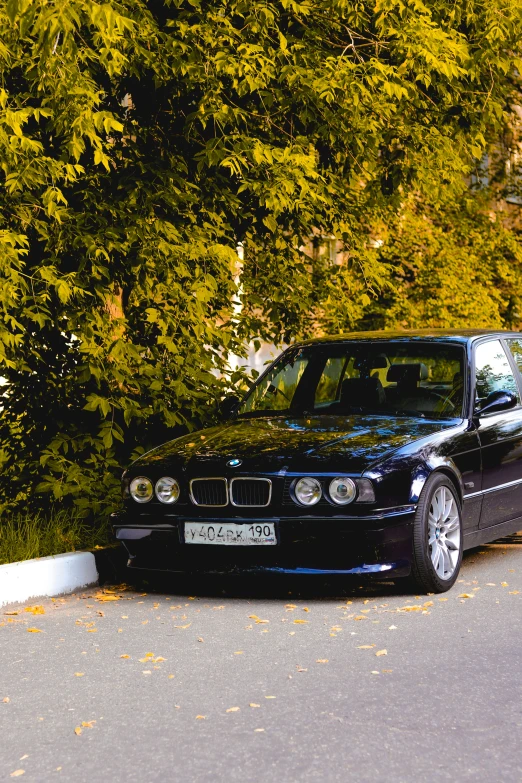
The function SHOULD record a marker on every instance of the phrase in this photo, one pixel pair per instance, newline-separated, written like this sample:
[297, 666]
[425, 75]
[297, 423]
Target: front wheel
[437, 536]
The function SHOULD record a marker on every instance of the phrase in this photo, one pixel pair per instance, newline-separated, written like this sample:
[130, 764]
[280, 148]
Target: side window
[493, 371]
[515, 346]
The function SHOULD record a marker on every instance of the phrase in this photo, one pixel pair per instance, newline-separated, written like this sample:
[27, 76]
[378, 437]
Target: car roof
[435, 335]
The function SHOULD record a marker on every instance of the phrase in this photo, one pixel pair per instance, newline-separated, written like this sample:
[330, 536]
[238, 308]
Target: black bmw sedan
[376, 453]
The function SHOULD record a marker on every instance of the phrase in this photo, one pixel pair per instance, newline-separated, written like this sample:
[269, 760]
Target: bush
[26, 536]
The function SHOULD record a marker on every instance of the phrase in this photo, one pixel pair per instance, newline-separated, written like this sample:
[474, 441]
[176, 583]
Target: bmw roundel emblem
[233, 463]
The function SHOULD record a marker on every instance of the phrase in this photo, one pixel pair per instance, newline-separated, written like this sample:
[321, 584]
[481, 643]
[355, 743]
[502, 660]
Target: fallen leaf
[300, 669]
[270, 697]
[290, 606]
[258, 729]
[392, 628]
[17, 773]
[34, 630]
[366, 647]
[375, 672]
[301, 622]
[466, 595]
[322, 660]
[239, 652]
[253, 705]
[35, 609]
[183, 626]
[6, 700]
[387, 671]
[125, 656]
[147, 671]
[78, 731]
[514, 592]
[92, 630]
[78, 674]
[491, 584]
[430, 603]
[360, 617]
[504, 584]
[88, 724]
[233, 709]
[106, 598]
[200, 639]
[381, 652]
[336, 628]
[11, 614]
[413, 608]
[201, 717]
[443, 599]
[306, 609]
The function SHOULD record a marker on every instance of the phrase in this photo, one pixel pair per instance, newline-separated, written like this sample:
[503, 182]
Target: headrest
[398, 373]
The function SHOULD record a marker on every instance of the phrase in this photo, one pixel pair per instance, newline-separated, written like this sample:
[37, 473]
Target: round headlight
[167, 490]
[141, 489]
[308, 491]
[342, 490]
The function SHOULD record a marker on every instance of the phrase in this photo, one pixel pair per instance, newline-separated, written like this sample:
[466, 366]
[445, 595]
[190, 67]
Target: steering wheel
[447, 403]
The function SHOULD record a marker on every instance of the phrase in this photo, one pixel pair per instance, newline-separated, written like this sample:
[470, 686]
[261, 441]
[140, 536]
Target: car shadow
[278, 587]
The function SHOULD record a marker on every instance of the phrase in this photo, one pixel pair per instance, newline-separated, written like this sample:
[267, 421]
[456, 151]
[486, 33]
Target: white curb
[46, 576]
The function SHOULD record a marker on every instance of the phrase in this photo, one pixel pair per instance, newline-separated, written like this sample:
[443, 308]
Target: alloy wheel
[444, 539]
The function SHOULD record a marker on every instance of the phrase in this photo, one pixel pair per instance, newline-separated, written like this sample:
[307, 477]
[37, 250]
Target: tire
[437, 536]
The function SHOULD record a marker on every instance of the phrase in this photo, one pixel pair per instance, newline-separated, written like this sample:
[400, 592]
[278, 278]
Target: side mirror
[228, 406]
[497, 401]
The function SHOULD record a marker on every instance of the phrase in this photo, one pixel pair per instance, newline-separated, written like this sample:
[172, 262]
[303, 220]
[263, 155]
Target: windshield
[388, 378]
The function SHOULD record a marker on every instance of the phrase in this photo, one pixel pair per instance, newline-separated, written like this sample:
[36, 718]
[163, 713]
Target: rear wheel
[437, 536]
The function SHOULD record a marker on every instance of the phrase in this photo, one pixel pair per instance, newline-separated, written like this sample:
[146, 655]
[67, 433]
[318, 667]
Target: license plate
[231, 534]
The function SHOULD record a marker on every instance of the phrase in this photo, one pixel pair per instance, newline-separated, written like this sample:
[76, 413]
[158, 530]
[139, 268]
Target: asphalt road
[328, 683]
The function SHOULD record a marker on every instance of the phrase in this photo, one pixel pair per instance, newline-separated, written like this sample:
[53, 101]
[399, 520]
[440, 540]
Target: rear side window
[493, 371]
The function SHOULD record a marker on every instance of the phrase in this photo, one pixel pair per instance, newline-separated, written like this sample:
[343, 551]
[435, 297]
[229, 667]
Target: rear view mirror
[497, 401]
[228, 406]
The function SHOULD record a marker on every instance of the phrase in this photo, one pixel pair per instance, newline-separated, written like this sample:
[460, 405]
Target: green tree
[141, 141]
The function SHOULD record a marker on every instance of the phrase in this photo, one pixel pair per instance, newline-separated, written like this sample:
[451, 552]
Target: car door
[500, 435]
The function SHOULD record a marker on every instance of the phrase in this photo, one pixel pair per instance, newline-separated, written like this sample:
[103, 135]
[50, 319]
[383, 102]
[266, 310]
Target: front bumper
[379, 545]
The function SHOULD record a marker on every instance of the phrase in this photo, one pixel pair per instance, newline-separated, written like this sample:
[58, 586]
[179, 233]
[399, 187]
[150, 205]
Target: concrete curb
[46, 577]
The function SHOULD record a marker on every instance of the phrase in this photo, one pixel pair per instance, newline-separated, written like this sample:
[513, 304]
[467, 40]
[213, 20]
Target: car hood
[274, 444]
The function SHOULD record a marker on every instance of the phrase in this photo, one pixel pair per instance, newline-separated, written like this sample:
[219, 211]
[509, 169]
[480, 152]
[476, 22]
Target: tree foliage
[140, 142]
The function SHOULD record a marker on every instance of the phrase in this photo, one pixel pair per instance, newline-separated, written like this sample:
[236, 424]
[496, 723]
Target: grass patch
[25, 536]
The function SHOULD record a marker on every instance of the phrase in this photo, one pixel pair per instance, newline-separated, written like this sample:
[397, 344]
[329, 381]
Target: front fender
[435, 464]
